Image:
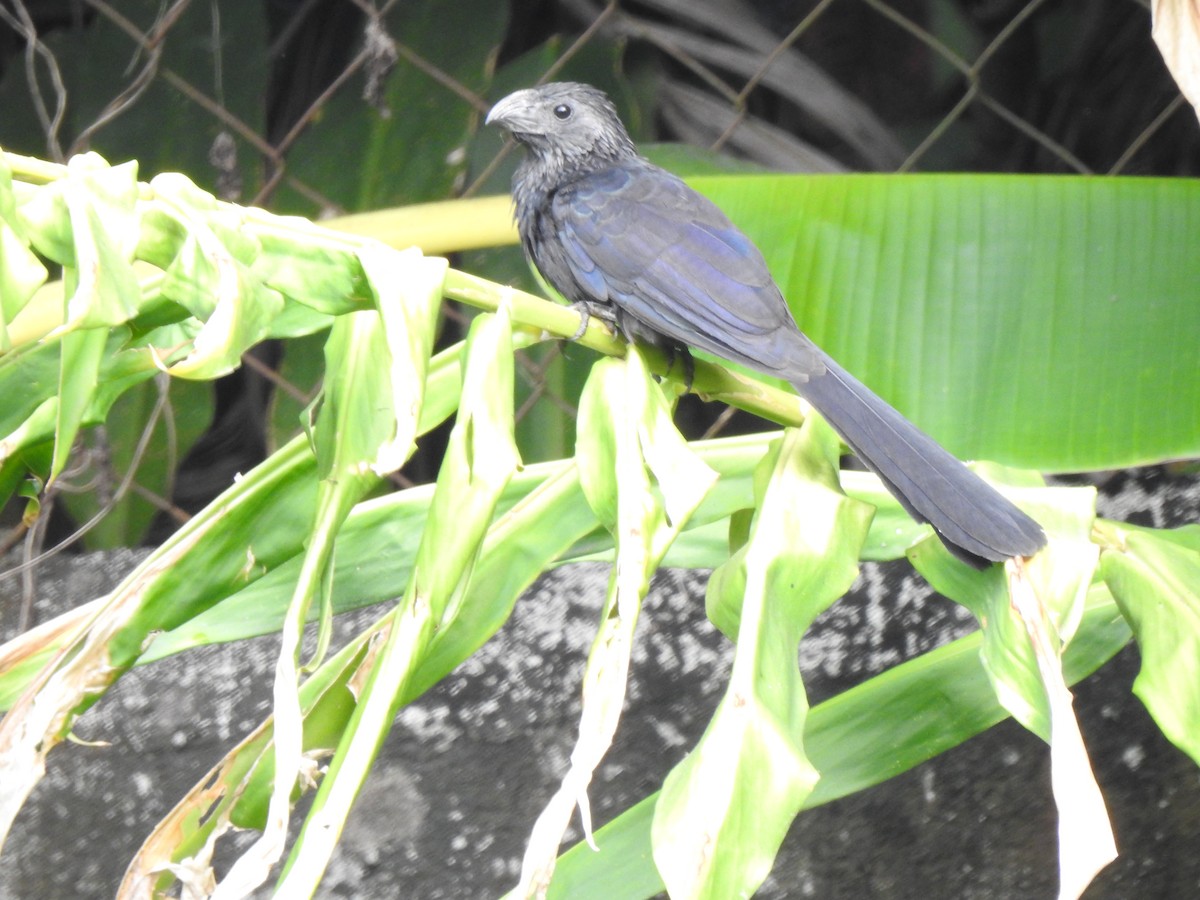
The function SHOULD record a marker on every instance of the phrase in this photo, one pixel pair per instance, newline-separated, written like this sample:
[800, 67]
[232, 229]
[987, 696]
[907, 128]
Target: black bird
[633, 245]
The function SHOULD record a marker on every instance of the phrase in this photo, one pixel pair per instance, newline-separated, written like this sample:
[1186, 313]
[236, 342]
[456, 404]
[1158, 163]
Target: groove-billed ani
[637, 247]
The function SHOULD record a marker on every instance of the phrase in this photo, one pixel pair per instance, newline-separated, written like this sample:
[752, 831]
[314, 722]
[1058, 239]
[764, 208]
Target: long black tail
[974, 521]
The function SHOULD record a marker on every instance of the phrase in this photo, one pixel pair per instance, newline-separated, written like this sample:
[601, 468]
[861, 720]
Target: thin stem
[553, 320]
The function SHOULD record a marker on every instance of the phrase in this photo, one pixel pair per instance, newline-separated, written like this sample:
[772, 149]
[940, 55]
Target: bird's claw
[585, 317]
[588, 311]
[676, 351]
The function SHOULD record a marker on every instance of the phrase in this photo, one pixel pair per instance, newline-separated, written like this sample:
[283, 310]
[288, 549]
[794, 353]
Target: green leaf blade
[725, 809]
[480, 460]
[863, 736]
[21, 272]
[1156, 581]
[979, 305]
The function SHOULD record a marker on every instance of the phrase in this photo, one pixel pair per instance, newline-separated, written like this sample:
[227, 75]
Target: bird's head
[564, 124]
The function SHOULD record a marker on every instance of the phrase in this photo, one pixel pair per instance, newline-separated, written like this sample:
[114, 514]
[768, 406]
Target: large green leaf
[725, 809]
[1155, 577]
[1042, 322]
[997, 311]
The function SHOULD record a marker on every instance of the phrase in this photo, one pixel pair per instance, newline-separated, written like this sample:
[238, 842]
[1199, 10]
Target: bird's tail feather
[975, 522]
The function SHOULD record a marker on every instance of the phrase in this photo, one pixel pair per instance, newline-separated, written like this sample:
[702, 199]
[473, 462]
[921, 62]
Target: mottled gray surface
[467, 769]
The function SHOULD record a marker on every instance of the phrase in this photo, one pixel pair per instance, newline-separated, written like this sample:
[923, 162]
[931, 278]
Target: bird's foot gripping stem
[684, 355]
[586, 311]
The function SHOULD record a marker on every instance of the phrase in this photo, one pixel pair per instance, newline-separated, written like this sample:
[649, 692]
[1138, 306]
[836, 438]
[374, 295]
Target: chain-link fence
[1034, 86]
[326, 106]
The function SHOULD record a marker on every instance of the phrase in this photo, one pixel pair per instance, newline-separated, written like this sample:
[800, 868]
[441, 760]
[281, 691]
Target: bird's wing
[637, 236]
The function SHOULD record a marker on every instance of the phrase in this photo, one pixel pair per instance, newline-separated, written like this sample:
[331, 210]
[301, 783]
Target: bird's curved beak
[512, 112]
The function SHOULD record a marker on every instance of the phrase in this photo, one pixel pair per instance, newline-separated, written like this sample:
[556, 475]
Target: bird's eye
[562, 111]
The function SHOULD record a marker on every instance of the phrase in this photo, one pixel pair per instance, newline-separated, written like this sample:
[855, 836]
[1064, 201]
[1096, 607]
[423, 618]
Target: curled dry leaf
[1176, 31]
[1085, 838]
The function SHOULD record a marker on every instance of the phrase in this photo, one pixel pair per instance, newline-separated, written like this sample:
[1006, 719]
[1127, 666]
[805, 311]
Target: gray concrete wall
[467, 768]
